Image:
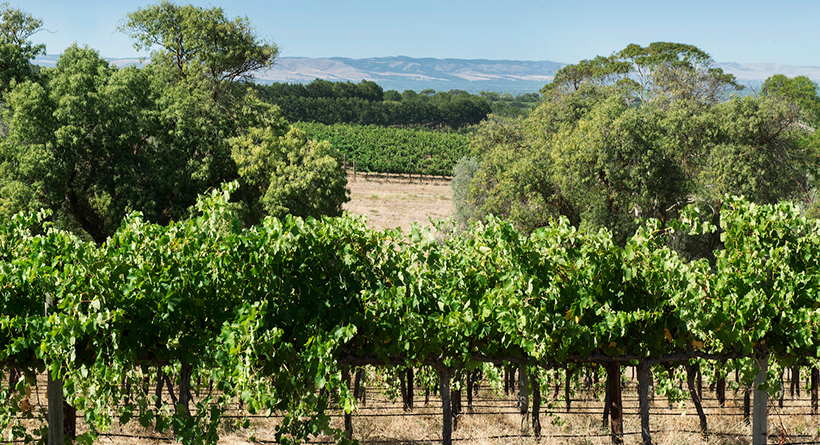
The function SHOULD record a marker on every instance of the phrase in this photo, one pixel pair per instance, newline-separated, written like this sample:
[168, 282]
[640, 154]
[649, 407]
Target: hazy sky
[786, 31]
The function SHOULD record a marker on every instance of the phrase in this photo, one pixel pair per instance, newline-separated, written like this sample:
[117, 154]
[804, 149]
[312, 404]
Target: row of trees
[365, 103]
[641, 134]
[507, 105]
[93, 142]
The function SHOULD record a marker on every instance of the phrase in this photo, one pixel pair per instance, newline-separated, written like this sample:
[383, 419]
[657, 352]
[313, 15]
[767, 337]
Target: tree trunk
[69, 420]
[747, 406]
[470, 391]
[506, 381]
[536, 404]
[691, 376]
[795, 380]
[644, 383]
[446, 408]
[158, 391]
[455, 399]
[613, 385]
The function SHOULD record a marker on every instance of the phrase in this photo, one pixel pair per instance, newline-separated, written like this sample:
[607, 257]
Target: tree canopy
[16, 50]
[94, 142]
[799, 91]
[660, 70]
[193, 40]
[612, 144]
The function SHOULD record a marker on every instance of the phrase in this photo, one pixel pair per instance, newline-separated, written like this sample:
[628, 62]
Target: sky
[749, 31]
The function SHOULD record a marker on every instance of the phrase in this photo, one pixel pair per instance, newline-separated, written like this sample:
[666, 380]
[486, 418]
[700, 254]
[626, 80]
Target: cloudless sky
[744, 31]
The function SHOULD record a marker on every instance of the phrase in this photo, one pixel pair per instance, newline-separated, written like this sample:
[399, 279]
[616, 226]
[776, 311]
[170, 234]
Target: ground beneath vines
[391, 201]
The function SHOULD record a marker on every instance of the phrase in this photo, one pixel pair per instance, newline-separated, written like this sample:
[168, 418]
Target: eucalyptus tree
[16, 49]
[674, 71]
[94, 142]
[639, 134]
[799, 91]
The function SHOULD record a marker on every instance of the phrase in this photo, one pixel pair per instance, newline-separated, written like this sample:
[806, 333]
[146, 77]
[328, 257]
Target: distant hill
[503, 76]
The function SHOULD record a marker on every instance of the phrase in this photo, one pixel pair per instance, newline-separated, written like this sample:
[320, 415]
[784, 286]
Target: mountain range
[472, 75]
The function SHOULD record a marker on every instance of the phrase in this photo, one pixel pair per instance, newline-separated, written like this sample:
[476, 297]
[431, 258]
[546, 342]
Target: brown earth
[495, 420]
[391, 201]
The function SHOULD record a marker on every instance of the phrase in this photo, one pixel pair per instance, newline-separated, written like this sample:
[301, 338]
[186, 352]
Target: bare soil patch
[391, 201]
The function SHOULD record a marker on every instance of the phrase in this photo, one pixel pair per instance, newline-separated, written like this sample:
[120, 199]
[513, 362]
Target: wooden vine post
[445, 374]
[644, 384]
[55, 400]
[523, 395]
[348, 416]
[759, 427]
[567, 382]
[616, 412]
[815, 382]
[536, 404]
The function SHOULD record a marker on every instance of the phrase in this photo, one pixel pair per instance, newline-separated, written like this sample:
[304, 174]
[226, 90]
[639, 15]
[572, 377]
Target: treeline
[393, 150]
[366, 103]
[508, 105]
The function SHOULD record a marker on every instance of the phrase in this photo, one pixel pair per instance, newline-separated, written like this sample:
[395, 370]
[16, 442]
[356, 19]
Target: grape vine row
[393, 150]
[278, 315]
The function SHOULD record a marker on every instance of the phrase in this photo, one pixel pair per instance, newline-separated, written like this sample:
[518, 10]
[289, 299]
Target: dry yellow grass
[391, 201]
[495, 420]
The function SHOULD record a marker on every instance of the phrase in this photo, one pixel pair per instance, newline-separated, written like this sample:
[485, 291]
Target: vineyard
[282, 316]
[393, 150]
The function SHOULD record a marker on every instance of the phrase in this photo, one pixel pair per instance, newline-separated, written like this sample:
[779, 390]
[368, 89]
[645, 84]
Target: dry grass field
[391, 201]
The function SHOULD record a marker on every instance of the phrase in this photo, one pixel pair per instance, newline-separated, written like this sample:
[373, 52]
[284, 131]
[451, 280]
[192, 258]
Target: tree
[599, 71]
[392, 95]
[661, 71]
[16, 50]
[289, 173]
[197, 41]
[799, 91]
[594, 156]
[93, 142]
[677, 71]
